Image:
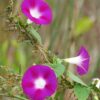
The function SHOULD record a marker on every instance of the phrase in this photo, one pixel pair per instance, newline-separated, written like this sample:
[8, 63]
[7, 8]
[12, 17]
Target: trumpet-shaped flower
[81, 60]
[39, 82]
[37, 11]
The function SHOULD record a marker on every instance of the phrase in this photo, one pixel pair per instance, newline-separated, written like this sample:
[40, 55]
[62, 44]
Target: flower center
[40, 83]
[35, 13]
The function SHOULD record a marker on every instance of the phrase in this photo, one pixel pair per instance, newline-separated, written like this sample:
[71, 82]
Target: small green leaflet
[81, 92]
[75, 78]
[35, 34]
[58, 68]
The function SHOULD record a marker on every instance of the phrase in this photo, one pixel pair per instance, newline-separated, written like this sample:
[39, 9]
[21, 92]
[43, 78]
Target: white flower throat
[35, 13]
[75, 60]
[40, 83]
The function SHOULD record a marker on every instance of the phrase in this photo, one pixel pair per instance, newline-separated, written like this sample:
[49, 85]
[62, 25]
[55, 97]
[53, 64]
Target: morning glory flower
[81, 60]
[39, 82]
[37, 11]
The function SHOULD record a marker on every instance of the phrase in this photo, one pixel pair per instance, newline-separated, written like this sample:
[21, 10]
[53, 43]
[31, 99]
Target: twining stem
[32, 40]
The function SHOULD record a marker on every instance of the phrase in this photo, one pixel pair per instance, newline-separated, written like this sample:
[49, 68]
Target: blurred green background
[75, 23]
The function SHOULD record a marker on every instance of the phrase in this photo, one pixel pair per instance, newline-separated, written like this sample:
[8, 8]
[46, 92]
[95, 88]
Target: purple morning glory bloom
[81, 60]
[37, 11]
[39, 82]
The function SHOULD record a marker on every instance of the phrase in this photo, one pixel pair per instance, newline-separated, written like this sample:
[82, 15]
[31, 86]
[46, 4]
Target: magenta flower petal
[39, 82]
[37, 11]
[84, 64]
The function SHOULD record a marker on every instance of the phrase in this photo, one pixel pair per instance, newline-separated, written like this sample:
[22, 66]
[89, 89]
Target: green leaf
[58, 68]
[35, 34]
[83, 25]
[76, 79]
[81, 92]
